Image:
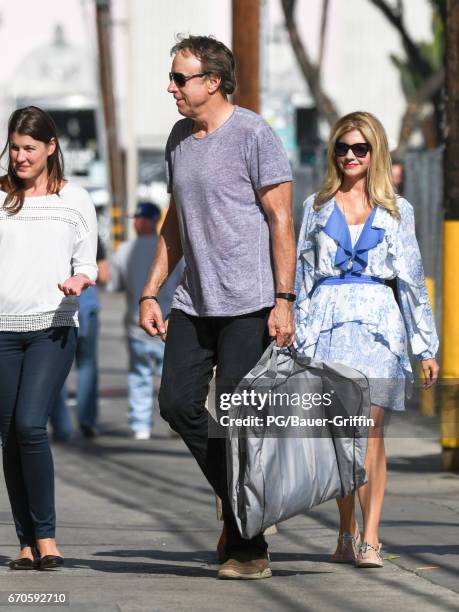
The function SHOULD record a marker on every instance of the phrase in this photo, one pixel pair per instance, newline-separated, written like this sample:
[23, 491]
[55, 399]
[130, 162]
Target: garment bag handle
[271, 366]
[298, 358]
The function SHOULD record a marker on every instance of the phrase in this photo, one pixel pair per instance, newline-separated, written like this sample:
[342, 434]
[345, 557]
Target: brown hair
[215, 58]
[36, 123]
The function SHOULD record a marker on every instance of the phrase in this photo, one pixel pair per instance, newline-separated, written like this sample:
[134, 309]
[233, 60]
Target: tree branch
[311, 73]
[396, 19]
[323, 31]
[414, 110]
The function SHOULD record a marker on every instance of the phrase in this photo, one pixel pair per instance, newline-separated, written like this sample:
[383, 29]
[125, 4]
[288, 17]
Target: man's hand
[430, 368]
[281, 324]
[76, 284]
[151, 319]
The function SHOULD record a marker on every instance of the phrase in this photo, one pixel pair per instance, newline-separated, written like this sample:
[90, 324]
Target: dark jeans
[194, 345]
[33, 368]
[87, 387]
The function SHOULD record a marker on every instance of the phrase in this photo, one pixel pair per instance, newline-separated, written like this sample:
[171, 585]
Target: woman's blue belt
[348, 277]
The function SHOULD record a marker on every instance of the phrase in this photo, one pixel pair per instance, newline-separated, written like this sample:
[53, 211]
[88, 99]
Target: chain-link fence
[423, 188]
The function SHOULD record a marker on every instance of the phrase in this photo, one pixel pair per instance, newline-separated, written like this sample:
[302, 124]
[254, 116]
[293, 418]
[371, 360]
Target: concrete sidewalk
[137, 525]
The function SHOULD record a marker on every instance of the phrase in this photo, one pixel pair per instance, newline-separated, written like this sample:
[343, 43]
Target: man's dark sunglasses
[181, 79]
[360, 149]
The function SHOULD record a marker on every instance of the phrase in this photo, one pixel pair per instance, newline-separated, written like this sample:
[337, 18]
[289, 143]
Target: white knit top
[50, 239]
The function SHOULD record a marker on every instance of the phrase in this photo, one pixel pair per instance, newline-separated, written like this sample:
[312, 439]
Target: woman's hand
[76, 284]
[430, 368]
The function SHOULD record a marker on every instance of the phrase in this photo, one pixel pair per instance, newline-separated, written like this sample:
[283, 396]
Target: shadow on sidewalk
[413, 523]
[430, 464]
[205, 556]
[429, 549]
[198, 556]
[311, 557]
[138, 567]
[130, 447]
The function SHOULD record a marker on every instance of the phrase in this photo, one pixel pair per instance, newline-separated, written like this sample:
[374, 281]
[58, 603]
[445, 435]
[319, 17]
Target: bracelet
[290, 297]
[148, 297]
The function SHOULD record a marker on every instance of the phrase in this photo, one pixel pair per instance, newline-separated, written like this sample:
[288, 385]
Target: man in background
[398, 174]
[129, 270]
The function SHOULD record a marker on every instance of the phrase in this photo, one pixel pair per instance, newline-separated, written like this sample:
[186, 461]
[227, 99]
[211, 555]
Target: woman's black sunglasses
[360, 149]
[180, 79]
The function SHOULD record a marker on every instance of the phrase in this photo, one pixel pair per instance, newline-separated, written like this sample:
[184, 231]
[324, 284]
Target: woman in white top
[48, 234]
[357, 235]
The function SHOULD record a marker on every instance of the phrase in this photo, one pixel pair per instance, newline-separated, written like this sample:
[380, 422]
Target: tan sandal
[369, 556]
[347, 548]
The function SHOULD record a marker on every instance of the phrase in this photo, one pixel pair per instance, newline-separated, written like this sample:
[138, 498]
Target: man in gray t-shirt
[230, 217]
[224, 229]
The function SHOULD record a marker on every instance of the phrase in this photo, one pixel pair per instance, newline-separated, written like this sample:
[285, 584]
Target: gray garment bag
[275, 473]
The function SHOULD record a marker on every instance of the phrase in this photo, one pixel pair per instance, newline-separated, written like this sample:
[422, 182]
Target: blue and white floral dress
[345, 313]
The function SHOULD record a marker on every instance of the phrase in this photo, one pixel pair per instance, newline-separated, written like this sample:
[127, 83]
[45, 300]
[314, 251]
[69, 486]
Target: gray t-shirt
[223, 228]
[129, 268]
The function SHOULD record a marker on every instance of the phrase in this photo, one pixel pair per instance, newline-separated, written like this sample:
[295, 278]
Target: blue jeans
[87, 388]
[33, 368]
[60, 417]
[145, 363]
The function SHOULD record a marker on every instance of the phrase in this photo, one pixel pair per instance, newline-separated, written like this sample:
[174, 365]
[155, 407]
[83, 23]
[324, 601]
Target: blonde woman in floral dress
[356, 235]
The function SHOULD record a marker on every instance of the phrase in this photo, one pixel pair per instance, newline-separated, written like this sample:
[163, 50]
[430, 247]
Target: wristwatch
[147, 297]
[290, 297]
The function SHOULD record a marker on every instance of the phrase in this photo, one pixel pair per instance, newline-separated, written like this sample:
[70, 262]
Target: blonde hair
[379, 186]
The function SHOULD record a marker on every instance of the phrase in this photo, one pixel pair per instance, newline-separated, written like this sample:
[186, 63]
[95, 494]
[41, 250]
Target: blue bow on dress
[350, 258]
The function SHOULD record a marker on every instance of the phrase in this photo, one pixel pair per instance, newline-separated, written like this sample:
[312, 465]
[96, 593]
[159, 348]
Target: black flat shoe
[26, 563]
[51, 562]
[22, 564]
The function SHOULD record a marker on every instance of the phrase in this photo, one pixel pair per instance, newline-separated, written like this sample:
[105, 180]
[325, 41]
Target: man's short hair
[214, 56]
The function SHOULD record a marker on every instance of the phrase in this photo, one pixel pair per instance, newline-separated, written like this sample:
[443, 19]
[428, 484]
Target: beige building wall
[153, 26]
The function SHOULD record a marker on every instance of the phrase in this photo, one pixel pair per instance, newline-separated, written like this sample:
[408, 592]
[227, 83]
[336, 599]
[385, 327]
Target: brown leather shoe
[245, 566]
